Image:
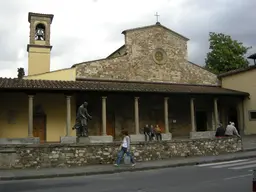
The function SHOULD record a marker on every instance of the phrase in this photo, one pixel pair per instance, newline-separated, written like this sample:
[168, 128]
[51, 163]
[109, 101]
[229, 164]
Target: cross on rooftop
[157, 17]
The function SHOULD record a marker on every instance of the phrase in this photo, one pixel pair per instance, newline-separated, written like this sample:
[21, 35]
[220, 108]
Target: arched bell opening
[40, 32]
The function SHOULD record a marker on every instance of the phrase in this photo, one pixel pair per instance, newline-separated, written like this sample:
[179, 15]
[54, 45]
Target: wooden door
[39, 127]
[110, 129]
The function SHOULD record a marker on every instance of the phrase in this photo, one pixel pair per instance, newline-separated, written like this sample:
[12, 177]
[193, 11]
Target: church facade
[148, 80]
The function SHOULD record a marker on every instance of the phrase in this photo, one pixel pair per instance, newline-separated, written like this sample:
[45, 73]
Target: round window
[159, 56]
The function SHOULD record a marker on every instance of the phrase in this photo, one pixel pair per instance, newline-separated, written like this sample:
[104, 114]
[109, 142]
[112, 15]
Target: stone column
[240, 117]
[68, 119]
[30, 115]
[166, 116]
[192, 111]
[216, 113]
[136, 113]
[104, 116]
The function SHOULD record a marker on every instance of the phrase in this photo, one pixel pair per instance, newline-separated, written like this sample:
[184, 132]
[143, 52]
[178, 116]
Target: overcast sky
[85, 30]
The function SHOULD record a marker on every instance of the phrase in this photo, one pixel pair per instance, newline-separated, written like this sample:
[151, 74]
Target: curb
[119, 170]
[249, 149]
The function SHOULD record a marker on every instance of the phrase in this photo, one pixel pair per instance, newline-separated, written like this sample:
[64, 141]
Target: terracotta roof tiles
[237, 71]
[125, 86]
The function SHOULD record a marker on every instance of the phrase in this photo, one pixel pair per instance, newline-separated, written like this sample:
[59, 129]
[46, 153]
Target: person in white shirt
[231, 130]
[125, 149]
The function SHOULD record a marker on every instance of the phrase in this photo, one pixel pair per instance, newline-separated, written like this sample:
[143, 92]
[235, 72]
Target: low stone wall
[67, 155]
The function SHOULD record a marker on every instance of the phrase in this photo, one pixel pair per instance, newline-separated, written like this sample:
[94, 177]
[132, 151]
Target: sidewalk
[109, 169]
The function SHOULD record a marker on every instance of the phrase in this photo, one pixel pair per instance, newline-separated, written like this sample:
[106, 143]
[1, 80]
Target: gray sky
[85, 30]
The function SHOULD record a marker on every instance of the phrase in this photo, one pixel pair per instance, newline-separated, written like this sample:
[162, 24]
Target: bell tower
[39, 47]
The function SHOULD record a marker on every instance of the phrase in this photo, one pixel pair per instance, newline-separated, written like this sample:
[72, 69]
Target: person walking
[125, 149]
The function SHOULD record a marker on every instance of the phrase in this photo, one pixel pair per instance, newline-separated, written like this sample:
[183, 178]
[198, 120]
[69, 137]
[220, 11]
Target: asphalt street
[235, 176]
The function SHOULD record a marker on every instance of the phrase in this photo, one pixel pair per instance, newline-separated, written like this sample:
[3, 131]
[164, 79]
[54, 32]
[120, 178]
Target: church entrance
[201, 121]
[39, 123]
[39, 127]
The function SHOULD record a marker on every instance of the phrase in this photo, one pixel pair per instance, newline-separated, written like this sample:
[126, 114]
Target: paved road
[235, 176]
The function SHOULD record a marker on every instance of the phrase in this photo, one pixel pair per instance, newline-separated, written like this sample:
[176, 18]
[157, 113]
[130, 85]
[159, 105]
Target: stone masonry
[151, 54]
[67, 155]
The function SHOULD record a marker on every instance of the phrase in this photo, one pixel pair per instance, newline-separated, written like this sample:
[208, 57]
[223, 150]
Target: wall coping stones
[115, 143]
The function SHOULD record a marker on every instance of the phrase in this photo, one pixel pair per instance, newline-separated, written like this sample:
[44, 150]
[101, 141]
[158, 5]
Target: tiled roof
[253, 56]
[125, 86]
[233, 72]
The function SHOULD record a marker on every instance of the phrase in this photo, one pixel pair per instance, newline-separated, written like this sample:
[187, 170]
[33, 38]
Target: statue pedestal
[68, 139]
[83, 140]
[101, 139]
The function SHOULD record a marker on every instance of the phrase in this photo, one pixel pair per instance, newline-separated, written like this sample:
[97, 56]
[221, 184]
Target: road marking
[236, 177]
[234, 164]
[221, 163]
[244, 167]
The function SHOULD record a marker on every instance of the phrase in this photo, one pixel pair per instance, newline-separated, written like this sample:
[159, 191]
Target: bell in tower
[40, 32]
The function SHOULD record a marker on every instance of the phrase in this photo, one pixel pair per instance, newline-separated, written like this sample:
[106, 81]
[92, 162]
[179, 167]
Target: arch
[40, 32]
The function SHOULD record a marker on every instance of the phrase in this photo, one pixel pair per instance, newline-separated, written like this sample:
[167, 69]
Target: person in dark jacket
[220, 132]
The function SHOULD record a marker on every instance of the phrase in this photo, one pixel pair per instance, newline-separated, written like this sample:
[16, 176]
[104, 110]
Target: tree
[226, 54]
[21, 73]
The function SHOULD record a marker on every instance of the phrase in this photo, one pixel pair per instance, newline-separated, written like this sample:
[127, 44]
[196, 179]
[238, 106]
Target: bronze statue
[82, 117]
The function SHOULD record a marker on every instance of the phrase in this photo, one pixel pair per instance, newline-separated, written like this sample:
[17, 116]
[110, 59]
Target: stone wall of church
[153, 54]
[68, 155]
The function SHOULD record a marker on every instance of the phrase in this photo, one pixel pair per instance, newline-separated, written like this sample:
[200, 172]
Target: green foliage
[226, 54]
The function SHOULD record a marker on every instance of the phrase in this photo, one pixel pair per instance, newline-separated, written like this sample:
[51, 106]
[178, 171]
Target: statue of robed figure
[82, 118]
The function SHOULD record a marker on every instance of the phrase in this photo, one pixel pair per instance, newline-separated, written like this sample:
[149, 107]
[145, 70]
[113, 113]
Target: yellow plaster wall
[18, 103]
[38, 60]
[245, 82]
[54, 105]
[64, 74]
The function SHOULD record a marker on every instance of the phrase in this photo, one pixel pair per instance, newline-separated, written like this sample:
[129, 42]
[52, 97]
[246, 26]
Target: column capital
[104, 97]
[31, 96]
[166, 98]
[136, 98]
[68, 96]
[216, 99]
[192, 99]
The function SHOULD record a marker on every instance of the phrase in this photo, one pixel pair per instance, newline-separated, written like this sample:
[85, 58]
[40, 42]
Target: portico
[45, 111]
